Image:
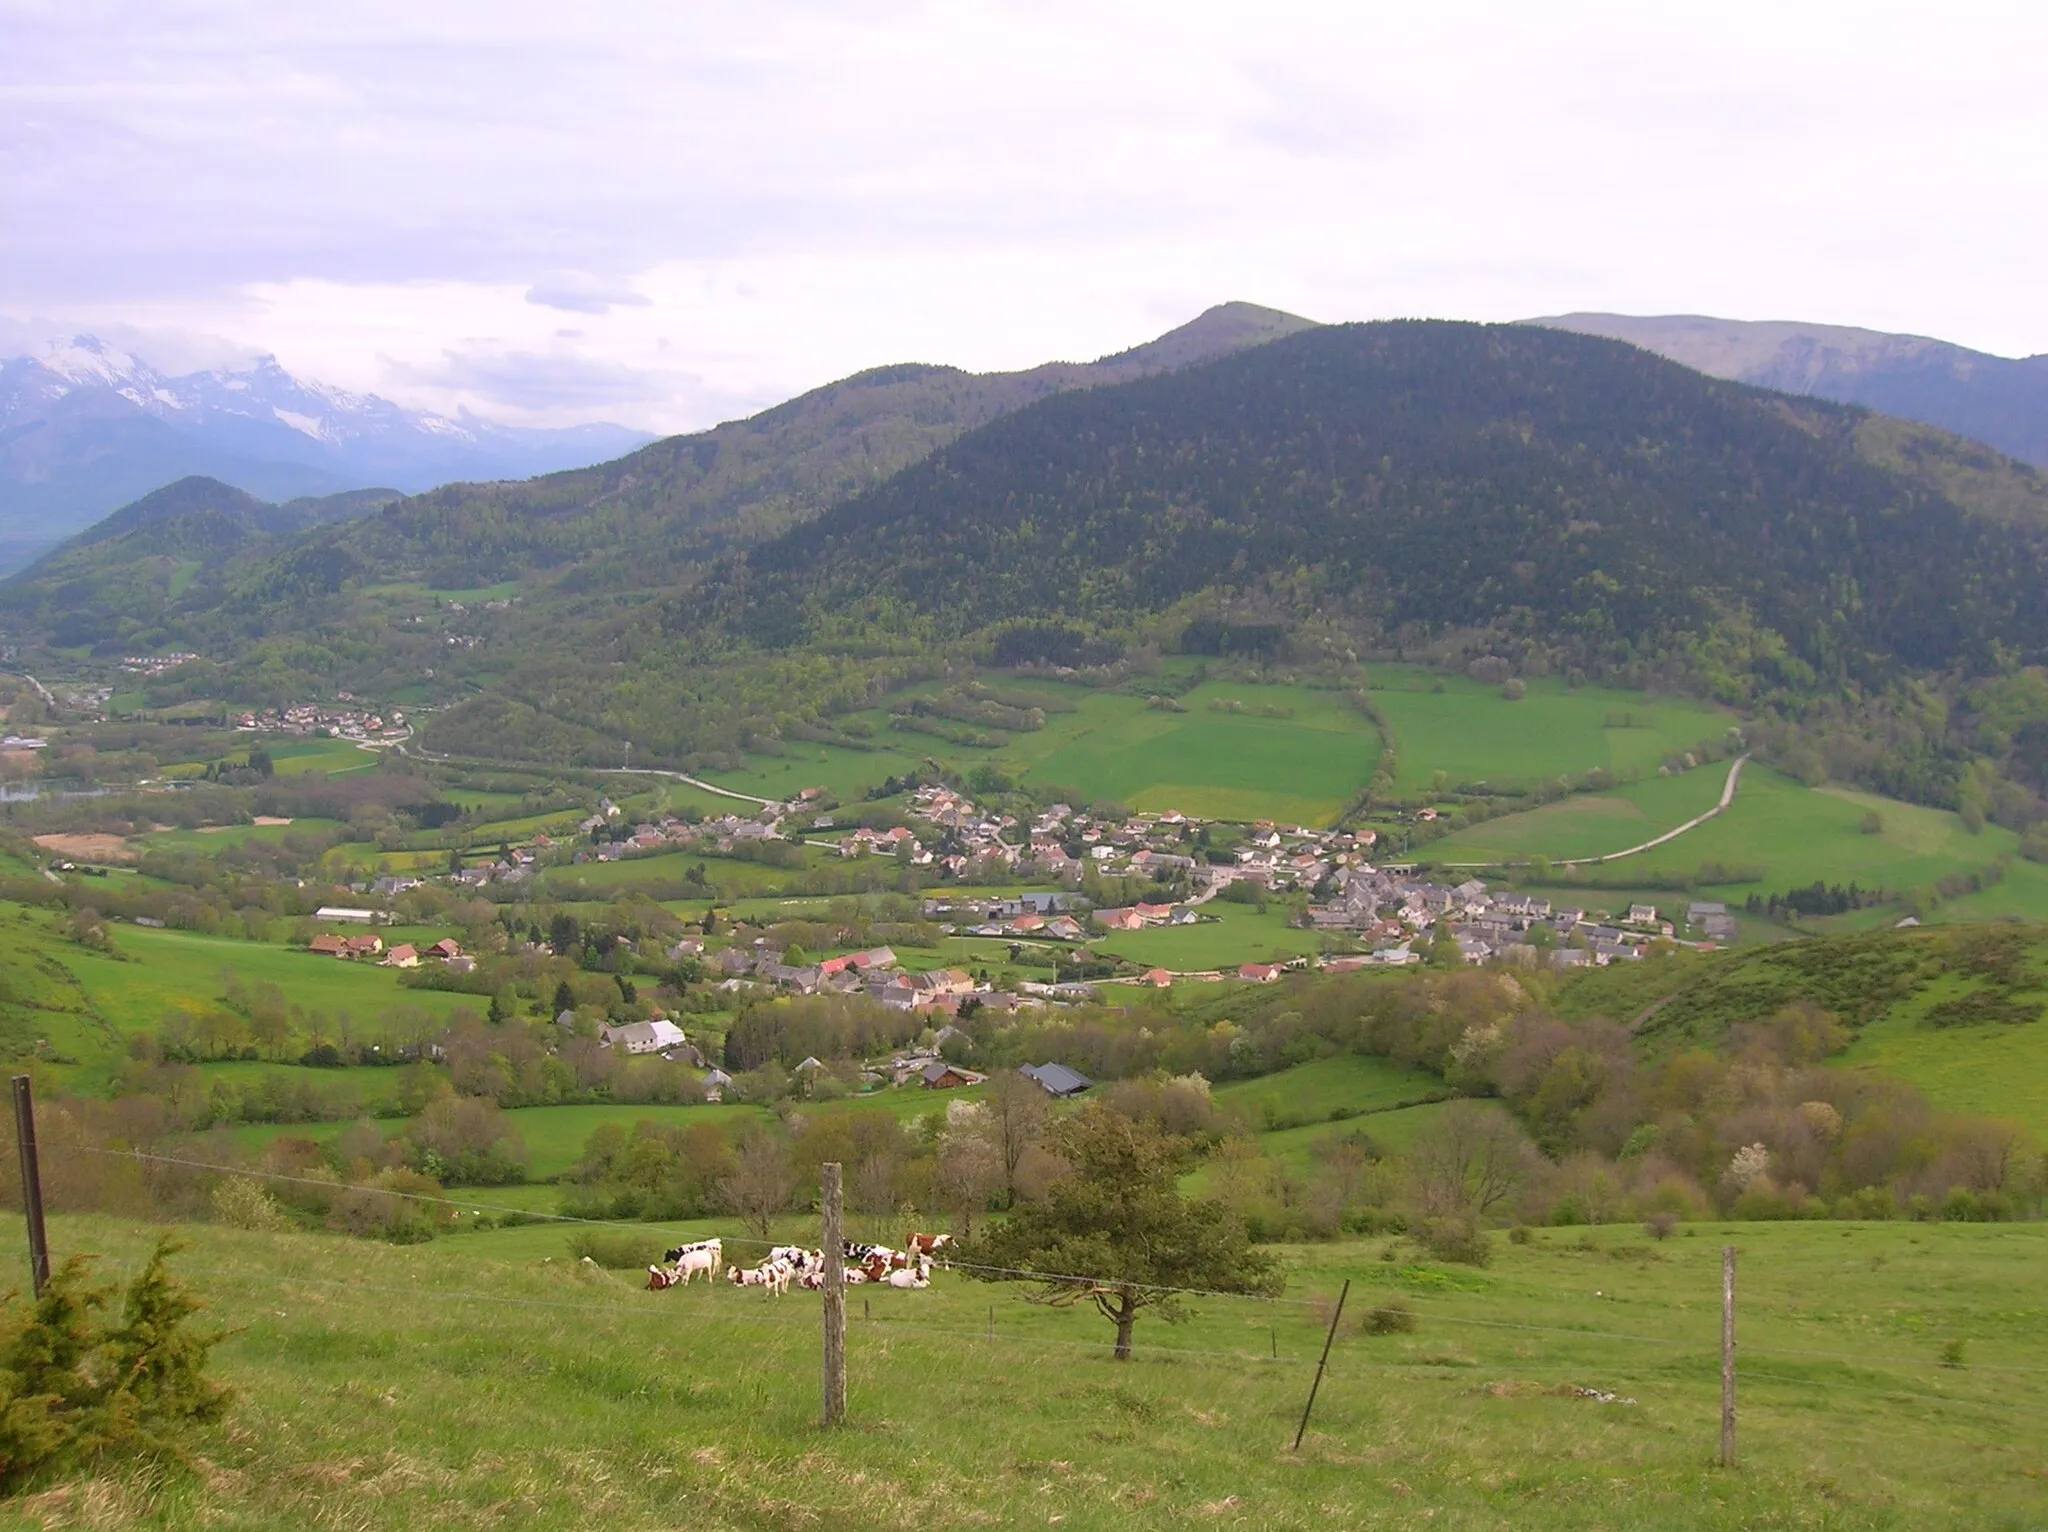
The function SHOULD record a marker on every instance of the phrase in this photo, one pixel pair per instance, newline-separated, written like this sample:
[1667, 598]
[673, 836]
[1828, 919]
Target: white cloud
[740, 201]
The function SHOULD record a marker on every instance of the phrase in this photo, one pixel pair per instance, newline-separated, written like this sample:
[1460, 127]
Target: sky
[674, 213]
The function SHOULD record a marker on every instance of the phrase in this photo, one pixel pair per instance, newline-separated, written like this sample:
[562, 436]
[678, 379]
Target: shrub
[1393, 1317]
[1519, 1234]
[1952, 1352]
[241, 1203]
[73, 1389]
[1458, 1239]
[1660, 1225]
[615, 1251]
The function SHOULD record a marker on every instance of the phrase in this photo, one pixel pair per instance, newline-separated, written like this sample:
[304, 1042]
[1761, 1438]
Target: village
[361, 724]
[1368, 915]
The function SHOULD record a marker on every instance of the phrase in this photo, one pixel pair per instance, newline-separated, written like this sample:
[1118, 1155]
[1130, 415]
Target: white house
[643, 1036]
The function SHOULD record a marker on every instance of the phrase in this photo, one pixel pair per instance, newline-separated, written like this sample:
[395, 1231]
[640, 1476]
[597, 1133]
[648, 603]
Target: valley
[1268, 743]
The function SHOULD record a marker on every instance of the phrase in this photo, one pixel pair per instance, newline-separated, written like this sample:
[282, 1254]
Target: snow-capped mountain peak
[87, 360]
[112, 427]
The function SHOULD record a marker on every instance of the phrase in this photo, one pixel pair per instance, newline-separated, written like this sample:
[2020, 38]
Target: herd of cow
[910, 1267]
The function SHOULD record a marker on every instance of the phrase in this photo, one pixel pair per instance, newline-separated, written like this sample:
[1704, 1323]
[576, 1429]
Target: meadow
[87, 1003]
[219, 837]
[1791, 834]
[1470, 732]
[335, 757]
[1240, 750]
[1228, 751]
[489, 1379]
[1237, 933]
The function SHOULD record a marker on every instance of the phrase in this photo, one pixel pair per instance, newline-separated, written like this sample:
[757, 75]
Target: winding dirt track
[1727, 797]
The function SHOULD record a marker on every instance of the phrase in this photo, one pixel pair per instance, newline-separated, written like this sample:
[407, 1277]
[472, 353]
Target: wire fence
[1516, 1354]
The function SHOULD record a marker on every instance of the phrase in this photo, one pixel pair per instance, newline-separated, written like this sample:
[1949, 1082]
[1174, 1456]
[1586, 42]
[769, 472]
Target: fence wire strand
[1707, 1346]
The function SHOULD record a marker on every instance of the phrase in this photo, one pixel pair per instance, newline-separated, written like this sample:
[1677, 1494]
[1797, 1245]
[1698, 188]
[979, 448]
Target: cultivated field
[490, 1380]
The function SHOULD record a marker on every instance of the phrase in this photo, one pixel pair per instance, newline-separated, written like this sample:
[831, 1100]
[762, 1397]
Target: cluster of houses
[1391, 911]
[154, 665]
[363, 725]
[369, 947]
[874, 973]
[515, 865]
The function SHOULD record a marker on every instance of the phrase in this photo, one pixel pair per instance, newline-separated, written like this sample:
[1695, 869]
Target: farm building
[948, 1077]
[1057, 1079]
[639, 1037]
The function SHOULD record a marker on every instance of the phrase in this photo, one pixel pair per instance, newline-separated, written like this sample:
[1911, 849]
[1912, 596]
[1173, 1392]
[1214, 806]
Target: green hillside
[492, 1378]
[1960, 1012]
[1381, 458]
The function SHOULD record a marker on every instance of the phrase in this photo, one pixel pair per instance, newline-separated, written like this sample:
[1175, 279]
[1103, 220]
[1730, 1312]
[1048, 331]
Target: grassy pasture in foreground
[489, 1379]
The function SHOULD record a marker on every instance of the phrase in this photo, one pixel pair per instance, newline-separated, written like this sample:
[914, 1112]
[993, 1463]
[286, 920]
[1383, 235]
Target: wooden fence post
[1727, 1356]
[835, 1301]
[1302, 1429]
[31, 1183]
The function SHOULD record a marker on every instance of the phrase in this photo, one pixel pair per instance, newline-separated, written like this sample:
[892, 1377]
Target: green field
[1292, 753]
[1794, 834]
[1239, 934]
[161, 971]
[1313, 1093]
[846, 774]
[1472, 734]
[336, 757]
[487, 1378]
[1592, 824]
[210, 840]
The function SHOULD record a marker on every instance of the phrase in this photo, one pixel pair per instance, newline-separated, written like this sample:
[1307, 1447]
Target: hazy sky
[671, 213]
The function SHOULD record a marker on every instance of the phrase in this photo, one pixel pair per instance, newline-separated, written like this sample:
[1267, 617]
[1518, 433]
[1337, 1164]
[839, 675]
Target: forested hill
[175, 544]
[635, 522]
[1550, 489]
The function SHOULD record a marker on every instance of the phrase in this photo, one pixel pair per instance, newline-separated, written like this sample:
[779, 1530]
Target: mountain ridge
[86, 428]
[2001, 401]
[1597, 501]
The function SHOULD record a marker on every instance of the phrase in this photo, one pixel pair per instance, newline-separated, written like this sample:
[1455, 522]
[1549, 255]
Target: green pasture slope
[1960, 1012]
[1242, 750]
[216, 839]
[1293, 753]
[1794, 835]
[1472, 734]
[492, 1378]
[1324, 1091]
[85, 1004]
[1592, 824]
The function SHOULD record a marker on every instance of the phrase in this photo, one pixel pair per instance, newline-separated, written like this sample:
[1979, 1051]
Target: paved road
[1727, 797]
[696, 782]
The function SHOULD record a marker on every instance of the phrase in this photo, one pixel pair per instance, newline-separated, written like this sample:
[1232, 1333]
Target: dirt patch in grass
[88, 848]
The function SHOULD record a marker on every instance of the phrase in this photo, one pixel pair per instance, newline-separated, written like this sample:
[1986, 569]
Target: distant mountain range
[86, 428]
[1994, 399]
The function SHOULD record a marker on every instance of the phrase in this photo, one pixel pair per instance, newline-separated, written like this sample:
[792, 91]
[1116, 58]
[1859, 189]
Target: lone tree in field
[761, 1184]
[1116, 1232]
